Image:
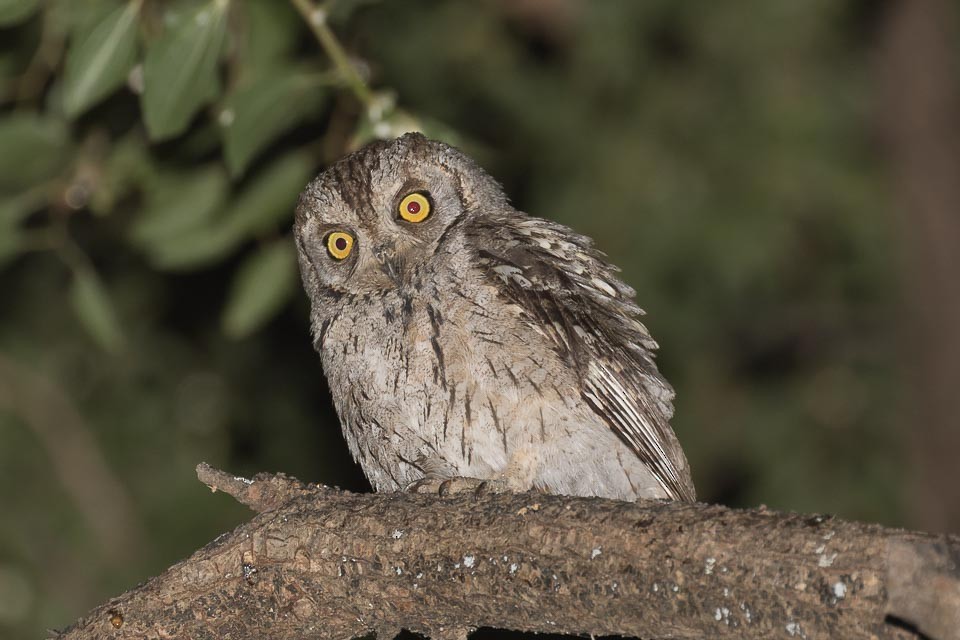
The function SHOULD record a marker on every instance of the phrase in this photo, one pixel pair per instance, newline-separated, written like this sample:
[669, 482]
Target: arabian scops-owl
[463, 338]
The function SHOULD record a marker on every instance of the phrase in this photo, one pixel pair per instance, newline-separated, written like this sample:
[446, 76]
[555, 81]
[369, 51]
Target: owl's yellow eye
[339, 244]
[414, 208]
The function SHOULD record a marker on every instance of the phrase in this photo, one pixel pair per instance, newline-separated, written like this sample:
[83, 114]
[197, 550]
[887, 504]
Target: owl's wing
[567, 291]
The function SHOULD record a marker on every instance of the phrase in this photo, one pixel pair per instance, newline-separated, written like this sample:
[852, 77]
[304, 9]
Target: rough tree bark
[323, 563]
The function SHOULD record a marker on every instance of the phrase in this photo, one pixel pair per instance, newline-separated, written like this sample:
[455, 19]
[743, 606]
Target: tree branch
[316, 18]
[322, 563]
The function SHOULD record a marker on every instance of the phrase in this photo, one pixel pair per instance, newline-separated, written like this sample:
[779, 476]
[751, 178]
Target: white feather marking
[604, 286]
[508, 272]
[602, 383]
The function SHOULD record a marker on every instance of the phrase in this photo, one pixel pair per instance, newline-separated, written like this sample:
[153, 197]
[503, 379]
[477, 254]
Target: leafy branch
[170, 57]
[316, 18]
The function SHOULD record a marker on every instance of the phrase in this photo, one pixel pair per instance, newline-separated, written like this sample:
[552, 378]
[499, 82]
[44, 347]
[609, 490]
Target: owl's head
[373, 220]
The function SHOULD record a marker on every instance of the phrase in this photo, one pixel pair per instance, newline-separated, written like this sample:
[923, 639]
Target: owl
[462, 338]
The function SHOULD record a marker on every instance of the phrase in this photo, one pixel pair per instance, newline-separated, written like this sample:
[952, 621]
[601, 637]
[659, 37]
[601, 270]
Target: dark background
[778, 180]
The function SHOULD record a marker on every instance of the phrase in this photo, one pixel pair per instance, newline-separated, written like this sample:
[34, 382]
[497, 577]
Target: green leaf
[262, 286]
[128, 166]
[99, 60]
[15, 11]
[256, 114]
[81, 17]
[11, 213]
[269, 33]
[267, 201]
[11, 242]
[95, 310]
[180, 69]
[15, 209]
[32, 149]
[178, 204]
[200, 248]
[271, 197]
[9, 64]
[341, 10]
[200, 141]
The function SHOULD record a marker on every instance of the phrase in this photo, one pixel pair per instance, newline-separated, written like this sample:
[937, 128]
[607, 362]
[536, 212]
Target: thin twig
[33, 80]
[316, 17]
[76, 459]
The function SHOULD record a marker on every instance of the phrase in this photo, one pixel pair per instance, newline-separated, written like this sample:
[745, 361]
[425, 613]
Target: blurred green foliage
[151, 153]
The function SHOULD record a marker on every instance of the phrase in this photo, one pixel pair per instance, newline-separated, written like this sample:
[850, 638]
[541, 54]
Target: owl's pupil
[413, 208]
[341, 244]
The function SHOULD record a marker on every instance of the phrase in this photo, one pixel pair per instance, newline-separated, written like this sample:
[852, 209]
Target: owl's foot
[444, 486]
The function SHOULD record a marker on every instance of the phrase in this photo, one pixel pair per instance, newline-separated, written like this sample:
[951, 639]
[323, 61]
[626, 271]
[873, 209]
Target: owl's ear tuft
[415, 136]
[412, 142]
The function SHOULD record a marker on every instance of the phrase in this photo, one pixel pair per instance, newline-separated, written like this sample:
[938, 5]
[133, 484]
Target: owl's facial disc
[378, 219]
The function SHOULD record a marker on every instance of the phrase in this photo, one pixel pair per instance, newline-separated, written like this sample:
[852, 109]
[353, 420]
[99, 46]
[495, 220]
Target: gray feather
[569, 291]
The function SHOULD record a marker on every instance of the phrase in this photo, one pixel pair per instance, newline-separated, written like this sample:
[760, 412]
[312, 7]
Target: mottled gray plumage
[480, 342]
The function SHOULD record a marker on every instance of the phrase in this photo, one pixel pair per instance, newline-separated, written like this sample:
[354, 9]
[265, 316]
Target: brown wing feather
[569, 292]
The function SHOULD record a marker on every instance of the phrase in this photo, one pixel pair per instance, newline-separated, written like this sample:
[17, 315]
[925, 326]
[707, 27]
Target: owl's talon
[426, 485]
[493, 486]
[452, 486]
[446, 488]
[478, 486]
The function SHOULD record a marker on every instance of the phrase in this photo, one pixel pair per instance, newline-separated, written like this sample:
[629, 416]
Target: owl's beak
[386, 255]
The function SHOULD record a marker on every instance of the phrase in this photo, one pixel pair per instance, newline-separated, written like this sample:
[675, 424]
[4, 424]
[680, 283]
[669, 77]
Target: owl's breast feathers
[570, 294]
